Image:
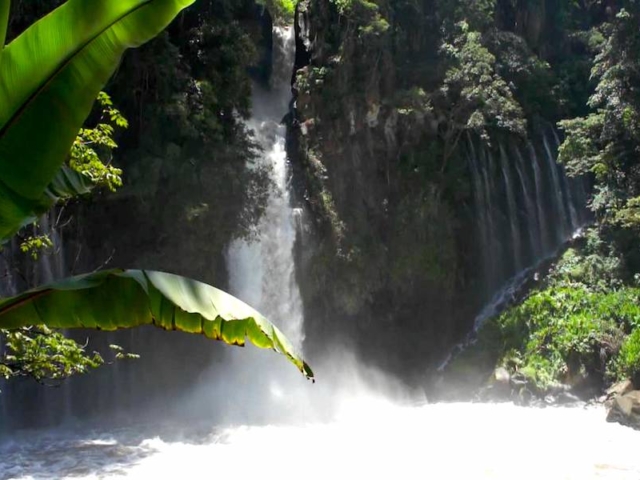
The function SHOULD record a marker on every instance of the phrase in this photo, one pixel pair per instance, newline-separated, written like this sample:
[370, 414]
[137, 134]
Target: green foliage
[85, 155]
[366, 14]
[187, 94]
[166, 301]
[478, 14]
[34, 246]
[57, 69]
[45, 355]
[531, 77]
[473, 96]
[627, 365]
[476, 93]
[5, 7]
[596, 266]
[605, 143]
[42, 354]
[282, 10]
[559, 334]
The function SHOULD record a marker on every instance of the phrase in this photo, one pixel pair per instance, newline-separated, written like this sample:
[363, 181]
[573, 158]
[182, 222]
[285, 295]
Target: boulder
[501, 376]
[498, 388]
[620, 388]
[625, 409]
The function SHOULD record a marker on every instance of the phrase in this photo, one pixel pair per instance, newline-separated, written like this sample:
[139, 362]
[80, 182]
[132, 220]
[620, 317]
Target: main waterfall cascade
[261, 270]
[254, 415]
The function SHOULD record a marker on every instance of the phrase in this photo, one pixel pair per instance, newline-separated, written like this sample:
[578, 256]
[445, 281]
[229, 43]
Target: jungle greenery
[487, 68]
[41, 78]
[503, 70]
[582, 326]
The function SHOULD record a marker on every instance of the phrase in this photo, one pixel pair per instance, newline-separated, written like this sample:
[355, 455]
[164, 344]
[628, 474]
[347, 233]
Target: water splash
[368, 438]
[262, 271]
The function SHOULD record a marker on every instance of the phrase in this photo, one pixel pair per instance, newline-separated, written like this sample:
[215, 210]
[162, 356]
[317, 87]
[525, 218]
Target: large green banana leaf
[66, 185]
[115, 299]
[4, 22]
[49, 78]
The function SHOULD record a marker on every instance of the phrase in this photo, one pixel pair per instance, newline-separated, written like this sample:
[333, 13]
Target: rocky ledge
[624, 405]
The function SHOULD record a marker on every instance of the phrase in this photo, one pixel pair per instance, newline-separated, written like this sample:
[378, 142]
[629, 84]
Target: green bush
[627, 364]
[563, 333]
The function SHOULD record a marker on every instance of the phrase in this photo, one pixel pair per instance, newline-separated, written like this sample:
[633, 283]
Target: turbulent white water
[368, 438]
[262, 271]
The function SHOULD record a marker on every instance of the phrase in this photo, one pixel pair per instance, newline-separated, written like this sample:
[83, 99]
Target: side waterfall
[543, 208]
[525, 212]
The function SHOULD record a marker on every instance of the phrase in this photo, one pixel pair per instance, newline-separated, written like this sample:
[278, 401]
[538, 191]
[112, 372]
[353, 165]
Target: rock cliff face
[424, 156]
[386, 266]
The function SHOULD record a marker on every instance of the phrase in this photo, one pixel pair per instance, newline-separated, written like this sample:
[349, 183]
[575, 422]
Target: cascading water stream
[545, 240]
[545, 230]
[262, 270]
[535, 238]
[513, 210]
[558, 191]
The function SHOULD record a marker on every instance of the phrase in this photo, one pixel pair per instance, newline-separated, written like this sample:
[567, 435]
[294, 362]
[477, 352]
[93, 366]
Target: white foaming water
[262, 271]
[369, 437]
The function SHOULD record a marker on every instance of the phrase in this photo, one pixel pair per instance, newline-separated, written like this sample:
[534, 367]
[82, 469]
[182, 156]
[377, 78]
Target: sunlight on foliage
[36, 245]
[43, 354]
[91, 153]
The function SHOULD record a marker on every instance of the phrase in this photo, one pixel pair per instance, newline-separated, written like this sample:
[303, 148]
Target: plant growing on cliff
[473, 97]
[41, 78]
[91, 151]
[282, 10]
[606, 142]
[570, 335]
[366, 15]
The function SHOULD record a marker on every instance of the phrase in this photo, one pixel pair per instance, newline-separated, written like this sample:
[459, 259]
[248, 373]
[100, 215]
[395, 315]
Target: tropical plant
[50, 76]
[605, 142]
[473, 96]
[164, 300]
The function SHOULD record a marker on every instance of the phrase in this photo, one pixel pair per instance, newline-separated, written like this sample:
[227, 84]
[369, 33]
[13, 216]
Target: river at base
[368, 437]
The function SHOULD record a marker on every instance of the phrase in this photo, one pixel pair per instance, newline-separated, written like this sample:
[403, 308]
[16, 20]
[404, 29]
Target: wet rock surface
[625, 409]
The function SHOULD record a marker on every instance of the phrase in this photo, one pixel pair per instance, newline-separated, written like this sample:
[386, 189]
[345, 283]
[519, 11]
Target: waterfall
[535, 209]
[261, 270]
[559, 203]
[481, 197]
[545, 240]
[535, 239]
[541, 219]
[512, 216]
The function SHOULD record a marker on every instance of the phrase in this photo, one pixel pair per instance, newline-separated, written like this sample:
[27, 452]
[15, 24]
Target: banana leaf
[4, 22]
[50, 76]
[116, 299]
[66, 185]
